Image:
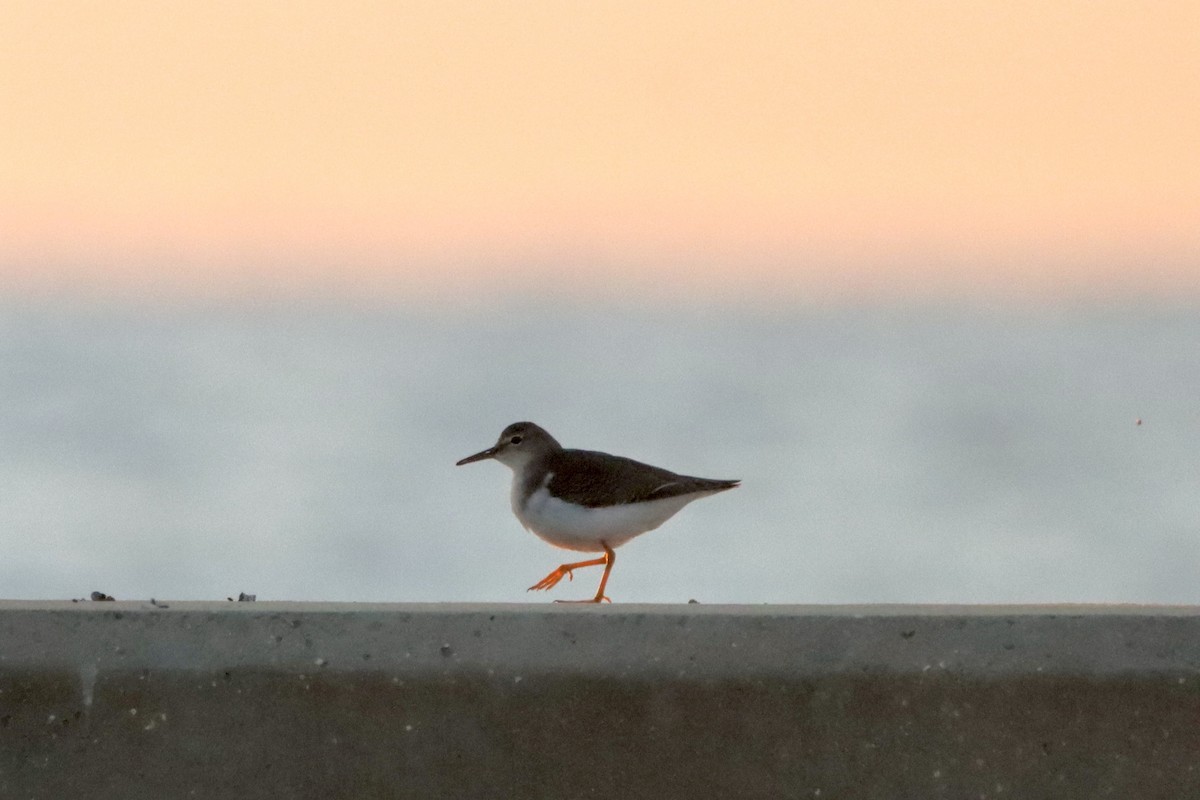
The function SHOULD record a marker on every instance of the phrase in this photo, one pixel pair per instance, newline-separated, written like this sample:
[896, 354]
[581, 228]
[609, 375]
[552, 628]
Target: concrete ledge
[257, 700]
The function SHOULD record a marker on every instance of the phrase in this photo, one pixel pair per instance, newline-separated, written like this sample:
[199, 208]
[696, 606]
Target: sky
[775, 149]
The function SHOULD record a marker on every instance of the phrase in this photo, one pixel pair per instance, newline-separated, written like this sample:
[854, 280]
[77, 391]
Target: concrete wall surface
[285, 700]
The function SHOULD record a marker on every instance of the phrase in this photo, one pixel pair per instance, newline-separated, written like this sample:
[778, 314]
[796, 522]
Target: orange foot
[553, 578]
[568, 569]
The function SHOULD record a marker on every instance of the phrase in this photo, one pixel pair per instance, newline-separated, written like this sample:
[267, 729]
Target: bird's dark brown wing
[593, 479]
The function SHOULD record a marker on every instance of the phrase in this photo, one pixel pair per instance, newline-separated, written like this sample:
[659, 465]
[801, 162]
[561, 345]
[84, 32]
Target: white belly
[578, 528]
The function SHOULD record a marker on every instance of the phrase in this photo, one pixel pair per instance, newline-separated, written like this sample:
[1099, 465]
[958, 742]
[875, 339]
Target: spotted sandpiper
[587, 501]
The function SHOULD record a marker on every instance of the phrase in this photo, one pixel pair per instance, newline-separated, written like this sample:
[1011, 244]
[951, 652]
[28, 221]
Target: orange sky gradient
[827, 148]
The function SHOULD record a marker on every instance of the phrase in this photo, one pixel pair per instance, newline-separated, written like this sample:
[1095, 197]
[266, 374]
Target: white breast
[578, 528]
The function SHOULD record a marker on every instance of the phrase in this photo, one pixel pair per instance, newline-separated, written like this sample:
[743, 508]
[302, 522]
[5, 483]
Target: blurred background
[925, 276]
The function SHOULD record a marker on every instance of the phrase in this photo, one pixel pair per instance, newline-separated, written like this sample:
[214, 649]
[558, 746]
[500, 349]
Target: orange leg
[566, 569]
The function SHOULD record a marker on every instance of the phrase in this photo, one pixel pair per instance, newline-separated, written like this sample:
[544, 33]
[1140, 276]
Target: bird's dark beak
[480, 456]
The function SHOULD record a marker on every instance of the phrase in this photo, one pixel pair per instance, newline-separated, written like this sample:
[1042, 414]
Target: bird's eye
[515, 440]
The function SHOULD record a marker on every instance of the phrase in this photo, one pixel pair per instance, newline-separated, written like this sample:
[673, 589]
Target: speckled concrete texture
[270, 700]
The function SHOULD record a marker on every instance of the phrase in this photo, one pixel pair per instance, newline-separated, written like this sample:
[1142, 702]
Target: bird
[587, 501]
